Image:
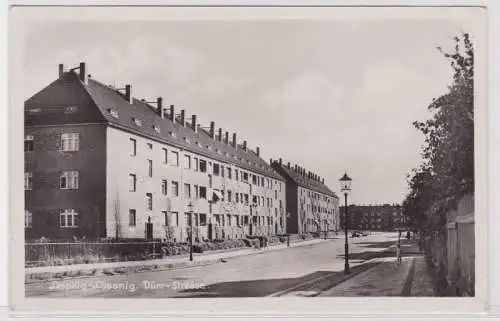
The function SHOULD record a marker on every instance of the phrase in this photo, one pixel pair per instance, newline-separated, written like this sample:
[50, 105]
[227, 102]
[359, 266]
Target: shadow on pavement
[259, 288]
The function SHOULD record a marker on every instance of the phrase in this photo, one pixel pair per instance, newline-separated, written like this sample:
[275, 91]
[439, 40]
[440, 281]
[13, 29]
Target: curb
[406, 290]
[40, 277]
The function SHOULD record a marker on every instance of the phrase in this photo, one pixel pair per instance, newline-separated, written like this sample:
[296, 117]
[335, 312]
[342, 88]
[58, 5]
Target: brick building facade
[373, 217]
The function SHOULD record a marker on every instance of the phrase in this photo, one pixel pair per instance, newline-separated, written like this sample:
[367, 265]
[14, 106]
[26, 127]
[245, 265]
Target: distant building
[100, 163]
[310, 205]
[373, 217]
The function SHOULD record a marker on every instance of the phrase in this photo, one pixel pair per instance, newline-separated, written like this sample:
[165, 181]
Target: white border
[314, 306]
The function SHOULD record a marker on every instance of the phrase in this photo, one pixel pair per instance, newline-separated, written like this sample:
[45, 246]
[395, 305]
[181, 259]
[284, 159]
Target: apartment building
[101, 163]
[387, 217]
[311, 206]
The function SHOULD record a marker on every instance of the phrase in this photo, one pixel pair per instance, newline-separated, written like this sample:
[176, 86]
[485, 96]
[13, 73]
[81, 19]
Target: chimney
[270, 161]
[83, 75]
[183, 117]
[226, 139]
[61, 70]
[245, 145]
[295, 167]
[322, 181]
[172, 113]
[212, 129]
[234, 140]
[281, 161]
[193, 123]
[128, 93]
[288, 165]
[220, 134]
[257, 150]
[159, 106]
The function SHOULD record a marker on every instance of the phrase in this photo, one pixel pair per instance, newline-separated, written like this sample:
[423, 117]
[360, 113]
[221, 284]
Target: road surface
[257, 275]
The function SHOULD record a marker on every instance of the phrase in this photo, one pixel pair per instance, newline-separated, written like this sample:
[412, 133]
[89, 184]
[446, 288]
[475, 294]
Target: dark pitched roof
[302, 180]
[107, 98]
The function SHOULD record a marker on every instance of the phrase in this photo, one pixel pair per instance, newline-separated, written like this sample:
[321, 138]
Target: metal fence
[49, 253]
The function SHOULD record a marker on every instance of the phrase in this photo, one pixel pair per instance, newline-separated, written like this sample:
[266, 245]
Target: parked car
[355, 234]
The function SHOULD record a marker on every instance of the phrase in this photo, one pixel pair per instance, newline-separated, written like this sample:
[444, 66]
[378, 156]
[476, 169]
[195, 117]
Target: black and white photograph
[261, 157]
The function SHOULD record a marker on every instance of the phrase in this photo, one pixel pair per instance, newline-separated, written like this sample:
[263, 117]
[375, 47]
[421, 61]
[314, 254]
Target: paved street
[246, 276]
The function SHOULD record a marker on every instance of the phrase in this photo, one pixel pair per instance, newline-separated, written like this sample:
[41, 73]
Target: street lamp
[345, 187]
[190, 205]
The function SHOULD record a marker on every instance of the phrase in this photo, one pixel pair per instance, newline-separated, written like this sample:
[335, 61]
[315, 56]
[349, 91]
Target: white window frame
[164, 187]
[69, 218]
[175, 158]
[71, 180]
[28, 181]
[70, 142]
[187, 161]
[149, 201]
[29, 138]
[132, 223]
[28, 219]
[132, 182]
[175, 188]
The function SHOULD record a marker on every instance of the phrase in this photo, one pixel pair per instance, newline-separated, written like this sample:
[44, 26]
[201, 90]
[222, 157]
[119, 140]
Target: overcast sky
[327, 95]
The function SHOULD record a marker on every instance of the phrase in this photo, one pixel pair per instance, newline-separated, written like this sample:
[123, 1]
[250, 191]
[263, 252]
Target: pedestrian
[398, 253]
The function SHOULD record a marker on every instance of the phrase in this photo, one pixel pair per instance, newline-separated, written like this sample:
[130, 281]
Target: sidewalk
[47, 272]
[411, 278]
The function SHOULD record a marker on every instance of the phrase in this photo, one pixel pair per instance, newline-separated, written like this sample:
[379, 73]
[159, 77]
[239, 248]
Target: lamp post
[345, 187]
[190, 205]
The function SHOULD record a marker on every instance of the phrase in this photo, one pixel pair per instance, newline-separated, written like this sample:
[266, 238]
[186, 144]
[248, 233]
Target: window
[196, 192]
[167, 218]
[275, 194]
[175, 158]
[164, 186]
[133, 147]
[137, 121]
[203, 192]
[113, 112]
[131, 217]
[149, 201]
[187, 191]
[246, 198]
[228, 220]
[28, 143]
[203, 166]
[187, 219]
[187, 162]
[195, 164]
[236, 174]
[70, 142]
[254, 179]
[237, 197]
[175, 218]
[216, 169]
[149, 145]
[150, 168]
[229, 173]
[68, 218]
[262, 181]
[245, 177]
[156, 128]
[254, 200]
[229, 196]
[165, 156]
[203, 219]
[222, 171]
[69, 180]
[28, 219]
[28, 181]
[132, 182]
[175, 189]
